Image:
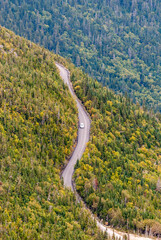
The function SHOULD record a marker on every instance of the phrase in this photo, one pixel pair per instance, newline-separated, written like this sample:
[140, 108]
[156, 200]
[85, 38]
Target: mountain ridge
[116, 42]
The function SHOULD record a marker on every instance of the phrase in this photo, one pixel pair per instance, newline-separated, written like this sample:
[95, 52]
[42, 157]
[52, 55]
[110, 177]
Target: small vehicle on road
[81, 125]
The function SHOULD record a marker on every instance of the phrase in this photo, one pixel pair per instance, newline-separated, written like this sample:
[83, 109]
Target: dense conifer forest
[38, 128]
[117, 42]
[119, 177]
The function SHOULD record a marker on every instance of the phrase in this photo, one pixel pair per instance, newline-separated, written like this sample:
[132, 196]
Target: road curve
[83, 133]
[83, 138]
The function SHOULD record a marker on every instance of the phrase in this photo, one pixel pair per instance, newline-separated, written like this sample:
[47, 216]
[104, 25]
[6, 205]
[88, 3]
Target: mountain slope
[38, 128]
[119, 173]
[117, 42]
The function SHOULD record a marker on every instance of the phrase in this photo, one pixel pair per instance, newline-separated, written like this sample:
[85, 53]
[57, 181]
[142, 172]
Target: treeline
[117, 42]
[38, 127]
[119, 175]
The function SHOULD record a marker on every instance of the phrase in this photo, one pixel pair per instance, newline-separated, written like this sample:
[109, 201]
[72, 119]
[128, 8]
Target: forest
[117, 42]
[38, 128]
[119, 175]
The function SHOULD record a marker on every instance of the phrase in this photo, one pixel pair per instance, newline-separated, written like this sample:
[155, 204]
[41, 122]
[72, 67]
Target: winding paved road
[83, 138]
[83, 133]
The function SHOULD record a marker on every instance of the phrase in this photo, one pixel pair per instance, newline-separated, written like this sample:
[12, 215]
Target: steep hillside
[118, 42]
[119, 175]
[38, 127]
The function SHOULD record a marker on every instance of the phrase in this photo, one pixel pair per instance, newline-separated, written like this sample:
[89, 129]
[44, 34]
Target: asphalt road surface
[83, 133]
[83, 138]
